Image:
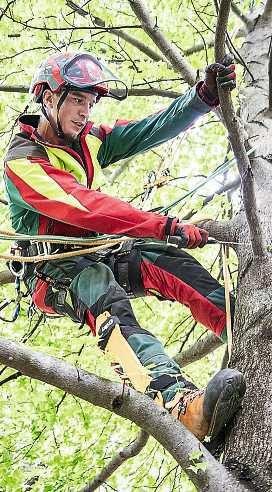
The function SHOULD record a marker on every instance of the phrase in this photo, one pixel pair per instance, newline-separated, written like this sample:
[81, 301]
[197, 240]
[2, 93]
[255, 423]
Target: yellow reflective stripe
[93, 144]
[35, 177]
[61, 159]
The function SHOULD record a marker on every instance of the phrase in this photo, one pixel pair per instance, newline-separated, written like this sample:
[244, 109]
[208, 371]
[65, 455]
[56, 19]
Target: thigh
[175, 275]
[80, 280]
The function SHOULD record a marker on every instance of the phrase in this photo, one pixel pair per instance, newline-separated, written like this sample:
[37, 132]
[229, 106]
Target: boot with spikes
[205, 412]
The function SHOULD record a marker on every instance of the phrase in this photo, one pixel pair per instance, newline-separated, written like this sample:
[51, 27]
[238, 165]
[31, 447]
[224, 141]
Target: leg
[99, 299]
[176, 275]
[96, 295]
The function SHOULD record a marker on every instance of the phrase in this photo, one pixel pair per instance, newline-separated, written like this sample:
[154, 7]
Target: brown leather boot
[206, 411]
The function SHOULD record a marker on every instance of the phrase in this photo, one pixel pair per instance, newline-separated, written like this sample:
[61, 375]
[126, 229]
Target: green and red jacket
[51, 188]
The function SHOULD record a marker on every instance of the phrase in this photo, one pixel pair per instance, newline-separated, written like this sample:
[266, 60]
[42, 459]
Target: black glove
[193, 236]
[219, 75]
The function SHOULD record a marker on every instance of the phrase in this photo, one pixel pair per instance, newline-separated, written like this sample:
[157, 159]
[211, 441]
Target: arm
[126, 139]
[38, 186]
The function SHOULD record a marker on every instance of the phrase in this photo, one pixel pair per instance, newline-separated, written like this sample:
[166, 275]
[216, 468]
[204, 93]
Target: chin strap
[57, 127]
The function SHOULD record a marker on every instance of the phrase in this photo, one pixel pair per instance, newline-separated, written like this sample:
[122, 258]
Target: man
[49, 172]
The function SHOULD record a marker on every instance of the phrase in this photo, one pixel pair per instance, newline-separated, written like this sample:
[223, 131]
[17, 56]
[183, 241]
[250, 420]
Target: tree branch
[130, 404]
[243, 17]
[226, 187]
[199, 349]
[133, 41]
[225, 231]
[267, 13]
[237, 140]
[131, 92]
[6, 277]
[270, 76]
[123, 455]
[178, 62]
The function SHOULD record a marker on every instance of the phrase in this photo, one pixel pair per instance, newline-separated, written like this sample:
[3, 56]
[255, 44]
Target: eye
[77, 100]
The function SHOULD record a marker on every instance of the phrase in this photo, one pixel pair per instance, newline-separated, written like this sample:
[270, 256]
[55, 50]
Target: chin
[71, 136]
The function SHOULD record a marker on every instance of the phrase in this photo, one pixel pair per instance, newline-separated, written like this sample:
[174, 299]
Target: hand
[219, 75]
[194, 236]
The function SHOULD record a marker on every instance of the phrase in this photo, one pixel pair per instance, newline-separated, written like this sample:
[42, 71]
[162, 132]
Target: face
[73, 113]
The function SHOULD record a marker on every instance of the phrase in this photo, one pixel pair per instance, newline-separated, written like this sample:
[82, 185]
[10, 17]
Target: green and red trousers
[90, 289]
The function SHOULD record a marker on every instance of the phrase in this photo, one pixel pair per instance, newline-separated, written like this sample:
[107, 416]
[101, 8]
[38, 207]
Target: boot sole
[227, 404]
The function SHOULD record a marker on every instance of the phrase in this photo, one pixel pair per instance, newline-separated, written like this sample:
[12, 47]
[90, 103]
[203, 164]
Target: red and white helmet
[76, 71]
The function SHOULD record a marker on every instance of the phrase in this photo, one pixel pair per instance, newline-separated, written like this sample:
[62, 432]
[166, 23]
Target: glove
[219, 75]
[193, 236]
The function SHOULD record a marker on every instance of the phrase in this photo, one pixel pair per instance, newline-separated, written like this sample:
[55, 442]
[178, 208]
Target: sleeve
[38, 186]
[126, 139]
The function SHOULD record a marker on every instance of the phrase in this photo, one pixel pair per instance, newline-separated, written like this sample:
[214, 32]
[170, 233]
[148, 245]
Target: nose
[85, 109]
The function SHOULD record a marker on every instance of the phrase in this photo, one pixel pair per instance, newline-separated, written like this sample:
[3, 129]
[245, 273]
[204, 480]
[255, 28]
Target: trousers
[93, 295]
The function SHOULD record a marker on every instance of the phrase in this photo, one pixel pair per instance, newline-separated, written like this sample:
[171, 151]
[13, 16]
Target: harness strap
[127, 269]
[227, 298]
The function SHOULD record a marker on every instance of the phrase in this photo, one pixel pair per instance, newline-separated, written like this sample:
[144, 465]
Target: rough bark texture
[249, 450]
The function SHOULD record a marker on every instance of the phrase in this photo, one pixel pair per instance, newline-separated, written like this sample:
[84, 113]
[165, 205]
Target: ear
[48, 99]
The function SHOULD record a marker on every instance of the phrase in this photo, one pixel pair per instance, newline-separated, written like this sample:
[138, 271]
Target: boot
[205, 412]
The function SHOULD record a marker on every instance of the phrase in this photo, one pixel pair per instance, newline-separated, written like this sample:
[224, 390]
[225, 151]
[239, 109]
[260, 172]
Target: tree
[157, 56]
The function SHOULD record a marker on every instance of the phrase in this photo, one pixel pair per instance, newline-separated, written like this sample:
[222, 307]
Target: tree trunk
[248, 451]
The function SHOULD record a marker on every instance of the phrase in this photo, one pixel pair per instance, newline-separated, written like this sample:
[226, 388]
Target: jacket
[50, 188]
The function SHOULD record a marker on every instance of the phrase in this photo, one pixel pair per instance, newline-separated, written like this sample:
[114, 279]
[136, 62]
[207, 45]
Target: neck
[47, 133]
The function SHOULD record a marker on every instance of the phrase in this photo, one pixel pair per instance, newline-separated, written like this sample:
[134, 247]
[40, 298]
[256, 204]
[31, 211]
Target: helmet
[76, 71]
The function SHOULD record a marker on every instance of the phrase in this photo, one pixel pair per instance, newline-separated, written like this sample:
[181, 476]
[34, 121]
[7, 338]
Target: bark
[129, 404]
[150, 91]
[199, 349]
[249, 450]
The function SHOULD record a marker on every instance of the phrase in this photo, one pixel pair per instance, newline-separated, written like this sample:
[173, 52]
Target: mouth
[79, 125]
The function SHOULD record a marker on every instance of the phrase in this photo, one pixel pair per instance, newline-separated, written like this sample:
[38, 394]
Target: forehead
[87, 96]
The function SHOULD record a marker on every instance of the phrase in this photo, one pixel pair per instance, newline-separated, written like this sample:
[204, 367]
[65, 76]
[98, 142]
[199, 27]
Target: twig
[128, 452]
[133, 41]
[237, 140]
[198, 47]
[199, 349]
[173, 55]
[13, 376]
[226, 187]
[72, 28]
[6, 9]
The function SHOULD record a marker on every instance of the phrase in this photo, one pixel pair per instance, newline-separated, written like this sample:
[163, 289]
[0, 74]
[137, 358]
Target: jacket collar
[28, 123]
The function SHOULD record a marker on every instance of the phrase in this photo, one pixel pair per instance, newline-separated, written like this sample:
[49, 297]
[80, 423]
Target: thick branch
[123, 455]
[237, 140]
[198, 350]
[244, 18]
[225, 231]
[131, 92]
[178, 62]
[6, 277]
[270, 76]
[267, 13]
[131, 405]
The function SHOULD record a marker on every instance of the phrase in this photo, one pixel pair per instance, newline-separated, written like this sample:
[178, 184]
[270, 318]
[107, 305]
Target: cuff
[206, 95]
[170, 226]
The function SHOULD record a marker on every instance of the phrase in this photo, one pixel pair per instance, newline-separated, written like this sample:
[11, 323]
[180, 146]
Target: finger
[195, 238]
[205, 237]
[191, 237]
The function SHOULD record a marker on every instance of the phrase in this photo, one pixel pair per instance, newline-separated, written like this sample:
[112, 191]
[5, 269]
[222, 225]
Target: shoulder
[21, 146]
